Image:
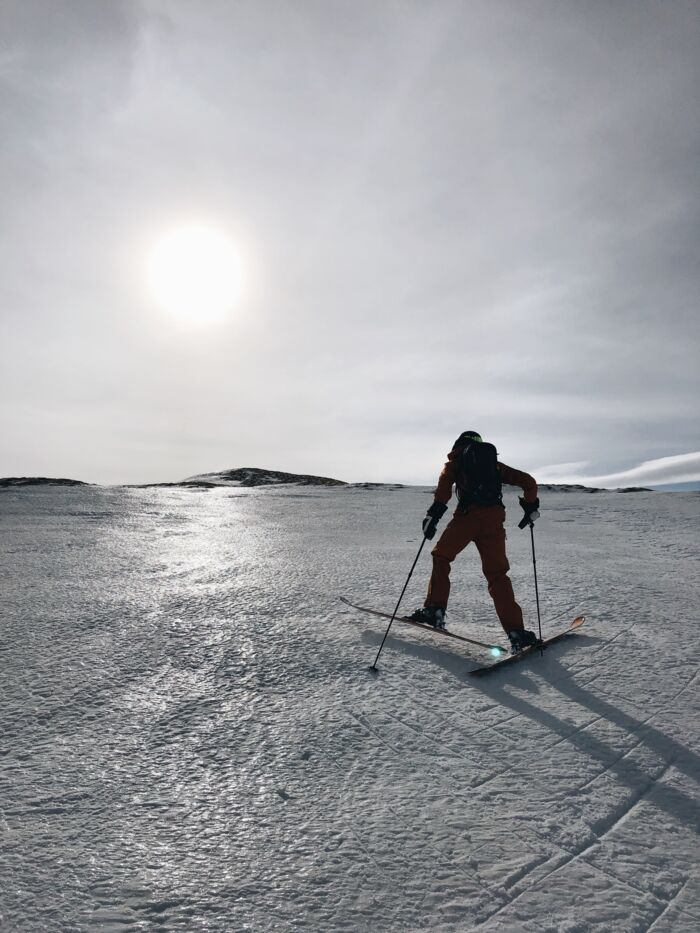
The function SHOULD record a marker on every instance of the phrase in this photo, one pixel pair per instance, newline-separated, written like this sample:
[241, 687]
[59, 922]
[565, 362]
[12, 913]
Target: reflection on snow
[191, 739]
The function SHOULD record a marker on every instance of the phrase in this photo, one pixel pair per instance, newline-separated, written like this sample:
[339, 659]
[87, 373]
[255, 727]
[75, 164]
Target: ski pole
[373, 667]
[537, 595]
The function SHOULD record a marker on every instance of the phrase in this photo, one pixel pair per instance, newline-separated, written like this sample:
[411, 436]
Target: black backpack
[477, 476]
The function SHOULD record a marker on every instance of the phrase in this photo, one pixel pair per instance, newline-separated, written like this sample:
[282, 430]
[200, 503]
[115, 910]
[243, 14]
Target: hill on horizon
[257, 476]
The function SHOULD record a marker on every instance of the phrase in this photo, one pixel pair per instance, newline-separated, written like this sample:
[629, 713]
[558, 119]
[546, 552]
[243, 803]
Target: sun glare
[195, 274]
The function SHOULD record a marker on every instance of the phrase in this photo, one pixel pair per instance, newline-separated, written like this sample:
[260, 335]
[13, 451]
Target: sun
[194, 274]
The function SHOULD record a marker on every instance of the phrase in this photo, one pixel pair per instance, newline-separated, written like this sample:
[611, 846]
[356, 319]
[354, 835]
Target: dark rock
[376, 485]
[567, 487]
[39, 481]
[188, 484]
[253, 476]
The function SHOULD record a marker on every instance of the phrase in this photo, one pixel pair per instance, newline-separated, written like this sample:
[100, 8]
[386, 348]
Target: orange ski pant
[485, 527]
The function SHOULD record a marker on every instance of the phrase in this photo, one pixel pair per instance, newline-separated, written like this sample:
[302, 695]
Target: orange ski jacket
[509, 476]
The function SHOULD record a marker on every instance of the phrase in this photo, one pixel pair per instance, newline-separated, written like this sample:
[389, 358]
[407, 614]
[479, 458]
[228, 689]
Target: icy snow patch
[192, 740]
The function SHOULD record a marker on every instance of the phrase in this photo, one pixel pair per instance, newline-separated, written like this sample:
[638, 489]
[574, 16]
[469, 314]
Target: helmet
[467, 436]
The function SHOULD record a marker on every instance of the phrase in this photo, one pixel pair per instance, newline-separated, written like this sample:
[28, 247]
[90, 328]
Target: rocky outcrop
[376, 485]
[254, 476]
[8, 481]
[569, 487]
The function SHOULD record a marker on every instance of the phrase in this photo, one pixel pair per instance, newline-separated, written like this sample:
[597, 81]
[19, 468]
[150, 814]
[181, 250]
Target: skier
[472, 466]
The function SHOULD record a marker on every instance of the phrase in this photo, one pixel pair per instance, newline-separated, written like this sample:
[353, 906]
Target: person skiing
[473, 467]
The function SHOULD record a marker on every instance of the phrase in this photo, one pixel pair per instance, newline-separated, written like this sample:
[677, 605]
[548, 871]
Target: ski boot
[429, 615]
[521, 638]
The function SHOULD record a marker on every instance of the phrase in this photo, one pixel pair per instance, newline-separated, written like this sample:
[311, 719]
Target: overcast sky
[449, 216]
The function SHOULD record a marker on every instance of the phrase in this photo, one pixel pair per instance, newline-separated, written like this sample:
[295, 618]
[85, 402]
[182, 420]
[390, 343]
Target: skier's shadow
[672, 752]
[447, 659]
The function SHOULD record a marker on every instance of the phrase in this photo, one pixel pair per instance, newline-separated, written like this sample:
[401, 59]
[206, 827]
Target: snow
[192, 739]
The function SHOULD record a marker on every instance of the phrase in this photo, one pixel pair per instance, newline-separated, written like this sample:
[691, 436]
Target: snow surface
[191, 739]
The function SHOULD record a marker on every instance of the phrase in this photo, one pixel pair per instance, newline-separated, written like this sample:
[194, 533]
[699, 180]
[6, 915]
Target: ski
[514, 658]
[496, 650]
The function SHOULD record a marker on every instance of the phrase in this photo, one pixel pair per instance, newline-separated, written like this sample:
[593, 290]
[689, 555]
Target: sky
[445, 216]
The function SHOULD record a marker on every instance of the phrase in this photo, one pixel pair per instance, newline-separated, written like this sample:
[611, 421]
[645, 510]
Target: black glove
[432, 517]
[531, 512]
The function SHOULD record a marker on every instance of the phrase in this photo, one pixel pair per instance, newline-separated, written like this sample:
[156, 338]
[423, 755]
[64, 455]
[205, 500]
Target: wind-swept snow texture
[191, 739]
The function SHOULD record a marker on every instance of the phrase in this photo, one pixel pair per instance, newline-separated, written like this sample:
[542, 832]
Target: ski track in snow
[192, 739]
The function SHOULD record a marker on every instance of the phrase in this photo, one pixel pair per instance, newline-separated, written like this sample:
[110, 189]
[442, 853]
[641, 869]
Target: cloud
[455, 217]
[682, 468]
